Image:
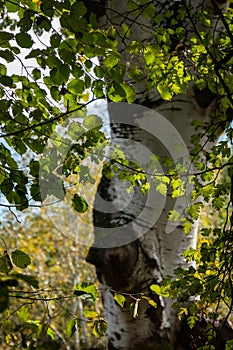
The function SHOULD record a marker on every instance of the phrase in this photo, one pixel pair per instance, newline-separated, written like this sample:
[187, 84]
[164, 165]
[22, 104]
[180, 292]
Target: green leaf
[43, 22]
[92, 121]
[116, 93]
[34, 166]
[149, 11]
[160, 290]
[67, 55]
[173, 216]
[161, 188]
[194, 210]
[20, 259]
[125, 31]
[71, 327]
[75, 130]
[100, 328]
[76, 86]
[24, 40]
[6, 80]
[23, 313]
[60, 74]
[77, 71]
[183, 311]
[90, 314]
[12, 6]
[5, 263]
[5, 36]
[130, 92]
[87, 290]
[99, 72]
[3, 72]
[34, 53]
[79, 204]
[187, 225]
[112, 60]
[35, 192]
[55, 40]
[36, 73]
[229, 345]
[150, 301]
[192, 321]
[51, 333]
[120, 299]
[7, 55]
[164, 91]
[78, 9]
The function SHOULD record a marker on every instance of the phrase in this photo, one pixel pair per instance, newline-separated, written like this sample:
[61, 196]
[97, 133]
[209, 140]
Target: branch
[40, 298]
[224, 22]
[34, 126]
[221, 79]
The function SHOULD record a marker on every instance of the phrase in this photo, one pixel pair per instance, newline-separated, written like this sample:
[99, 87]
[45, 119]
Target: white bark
[133, 267]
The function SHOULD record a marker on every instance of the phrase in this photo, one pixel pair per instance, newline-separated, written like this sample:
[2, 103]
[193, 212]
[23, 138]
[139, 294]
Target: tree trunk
[135, 245]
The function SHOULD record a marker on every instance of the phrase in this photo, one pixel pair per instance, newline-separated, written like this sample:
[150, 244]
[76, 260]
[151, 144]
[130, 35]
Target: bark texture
[147, 258]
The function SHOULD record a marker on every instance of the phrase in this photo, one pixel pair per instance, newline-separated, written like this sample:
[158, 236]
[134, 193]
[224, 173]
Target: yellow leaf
[120, 299]
[183, 310]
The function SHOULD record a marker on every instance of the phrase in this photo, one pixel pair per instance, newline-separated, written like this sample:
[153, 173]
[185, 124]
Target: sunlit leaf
[165, 92]
[160, 290]
[192, 321]
[86, 290]
[71, 327]
[150, 301]
[173, 216]
[120, 299]
[23, 313]
[100, 328]
[90, 314]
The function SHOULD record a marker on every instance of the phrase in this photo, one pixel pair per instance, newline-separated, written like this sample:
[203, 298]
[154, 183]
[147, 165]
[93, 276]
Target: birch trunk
[131, 266]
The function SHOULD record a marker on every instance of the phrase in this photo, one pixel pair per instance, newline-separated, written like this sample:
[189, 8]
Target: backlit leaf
[92, 121]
